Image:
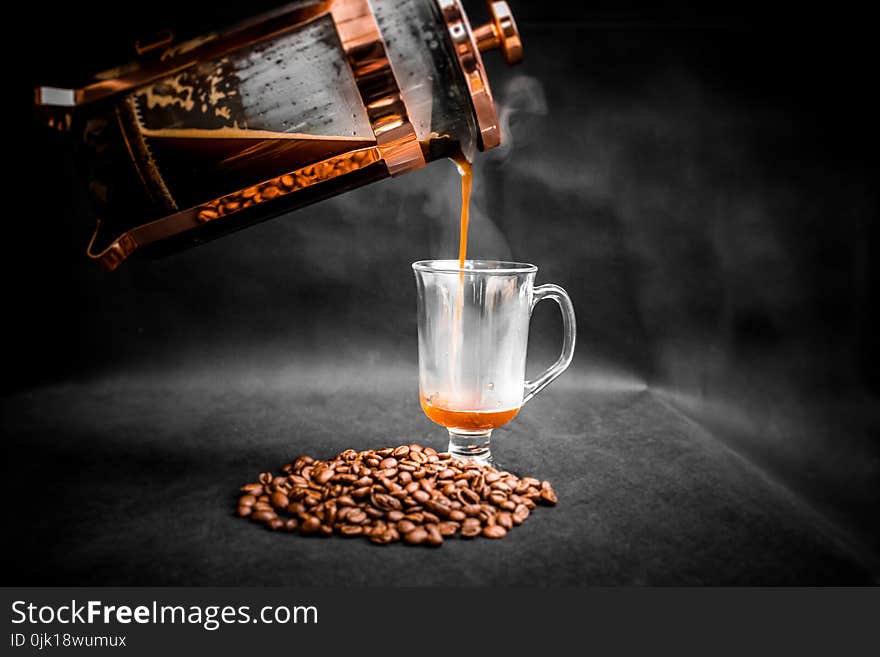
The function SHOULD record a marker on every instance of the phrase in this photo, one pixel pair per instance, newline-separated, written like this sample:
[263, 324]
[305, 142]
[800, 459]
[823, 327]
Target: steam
[520, 102]
[522, 99]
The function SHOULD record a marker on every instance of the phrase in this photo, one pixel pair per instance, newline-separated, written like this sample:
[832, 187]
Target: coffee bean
[435, 538]
[382, 536]
[351, 530]
[548, 495]
[385, 502]
[262, 506]
[357, 517]
[520, 513]
[390, 462]
[471, 509]
[457, 515]
[421, 496]
[296, 480]
[247, 500]
[494, 531]
[448, 528]
[403, 450]
[263, 516]
[295, 508]
[405, 526]
[324, 476]
[310, 525]
[290, 524]
[394, 516]
[416, 536]
[275, 524]
[438, 507]
[505, 519]
[471, 528]
[448, 473]
[244, 510]
[280, 501]
[373, 512]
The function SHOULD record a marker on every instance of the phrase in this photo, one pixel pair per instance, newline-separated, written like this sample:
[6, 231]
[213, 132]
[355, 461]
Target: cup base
[472, 446]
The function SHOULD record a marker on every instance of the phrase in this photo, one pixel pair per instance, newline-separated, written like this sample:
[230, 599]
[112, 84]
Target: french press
[201, 138]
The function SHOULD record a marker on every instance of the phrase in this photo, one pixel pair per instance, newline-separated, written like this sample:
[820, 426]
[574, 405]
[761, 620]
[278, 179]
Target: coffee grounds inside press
[410, 493]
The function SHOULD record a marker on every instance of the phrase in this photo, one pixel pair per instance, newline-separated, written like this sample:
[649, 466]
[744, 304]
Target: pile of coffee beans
[409, 493]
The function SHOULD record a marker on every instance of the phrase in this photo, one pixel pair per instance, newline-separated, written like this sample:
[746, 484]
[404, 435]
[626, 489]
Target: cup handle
[560, 296]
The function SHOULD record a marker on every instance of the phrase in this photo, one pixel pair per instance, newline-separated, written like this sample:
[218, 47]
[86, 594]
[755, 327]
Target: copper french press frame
[397, 146]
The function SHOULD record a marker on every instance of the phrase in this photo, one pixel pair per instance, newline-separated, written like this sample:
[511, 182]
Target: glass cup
[473, 337]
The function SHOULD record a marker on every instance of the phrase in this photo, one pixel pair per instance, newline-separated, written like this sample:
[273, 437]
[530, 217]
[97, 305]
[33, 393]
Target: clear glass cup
[473, 338]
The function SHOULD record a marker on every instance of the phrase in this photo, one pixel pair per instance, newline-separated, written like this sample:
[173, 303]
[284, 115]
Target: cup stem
[472, 445]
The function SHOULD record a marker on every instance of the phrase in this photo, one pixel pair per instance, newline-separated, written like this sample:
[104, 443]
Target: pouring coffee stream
[434, 406]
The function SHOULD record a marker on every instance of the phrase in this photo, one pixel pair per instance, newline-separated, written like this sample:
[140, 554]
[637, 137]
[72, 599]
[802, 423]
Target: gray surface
[133, 480]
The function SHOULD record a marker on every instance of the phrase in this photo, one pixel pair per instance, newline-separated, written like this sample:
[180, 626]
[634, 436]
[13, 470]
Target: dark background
[701, 181]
